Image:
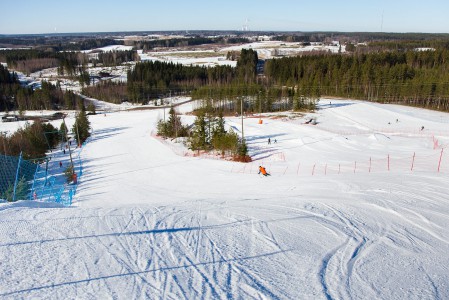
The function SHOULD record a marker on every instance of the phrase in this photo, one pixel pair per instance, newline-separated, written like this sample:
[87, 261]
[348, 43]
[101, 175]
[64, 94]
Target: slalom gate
[437, 162]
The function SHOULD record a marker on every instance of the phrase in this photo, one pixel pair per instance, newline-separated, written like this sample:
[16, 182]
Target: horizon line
[221, 30]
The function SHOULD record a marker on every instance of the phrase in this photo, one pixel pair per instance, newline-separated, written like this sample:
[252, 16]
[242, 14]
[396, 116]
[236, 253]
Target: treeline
[87, 44]
[227, 86]
[153, 79]
[407, 45]
[254, 98]
[223, 88]
[31, 60]
[176, 42]
[57, 43]
[115, 58]
[6, 77]
[418, 78]
[33, 140]
[12, 56]
[9, 85]
[15, 97]
[75, 64]
[360, 37]
[68, 63]
[114, 92]
[28, 60]
[48, 97]
[29, 66]
[188, 41]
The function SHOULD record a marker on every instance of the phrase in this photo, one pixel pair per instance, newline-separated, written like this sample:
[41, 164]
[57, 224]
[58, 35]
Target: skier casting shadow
[263, 171]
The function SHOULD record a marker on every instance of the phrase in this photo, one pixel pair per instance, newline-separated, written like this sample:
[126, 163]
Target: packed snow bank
[149, 223]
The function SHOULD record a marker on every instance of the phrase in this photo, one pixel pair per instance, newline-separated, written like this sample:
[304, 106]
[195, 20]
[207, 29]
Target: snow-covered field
[210, 58]
[191, 57]
[148, 223]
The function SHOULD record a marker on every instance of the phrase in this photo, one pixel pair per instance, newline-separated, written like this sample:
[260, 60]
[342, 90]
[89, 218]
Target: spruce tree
[242, 150]
[63, 131]
[81, 127]
[219, 128]
[199, 135]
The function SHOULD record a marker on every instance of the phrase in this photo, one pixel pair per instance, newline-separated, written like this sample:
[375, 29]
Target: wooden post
[313, 170]
[413, 161]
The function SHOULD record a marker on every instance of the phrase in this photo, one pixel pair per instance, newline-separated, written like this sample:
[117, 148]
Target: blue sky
[49, 16]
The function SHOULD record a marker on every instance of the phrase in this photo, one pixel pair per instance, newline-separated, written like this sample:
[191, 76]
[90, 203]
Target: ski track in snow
[149, 224]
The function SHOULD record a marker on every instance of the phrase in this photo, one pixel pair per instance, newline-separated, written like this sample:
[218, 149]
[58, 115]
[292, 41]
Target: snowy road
[149, 224]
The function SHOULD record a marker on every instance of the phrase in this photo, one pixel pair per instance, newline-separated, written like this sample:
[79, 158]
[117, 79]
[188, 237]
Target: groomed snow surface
[150, 221]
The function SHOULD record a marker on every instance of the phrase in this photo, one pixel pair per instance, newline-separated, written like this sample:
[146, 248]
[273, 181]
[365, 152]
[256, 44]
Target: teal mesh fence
[16, 177]
[41, 180]
[50, 182]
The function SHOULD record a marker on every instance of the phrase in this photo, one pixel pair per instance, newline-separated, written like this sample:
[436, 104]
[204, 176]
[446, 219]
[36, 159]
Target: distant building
[104, 74]
[8, 118]
[424, 49]
[262, 38]
[35, 85]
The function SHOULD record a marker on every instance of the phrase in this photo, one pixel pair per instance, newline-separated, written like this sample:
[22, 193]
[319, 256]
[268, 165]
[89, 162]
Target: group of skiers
[269, 141]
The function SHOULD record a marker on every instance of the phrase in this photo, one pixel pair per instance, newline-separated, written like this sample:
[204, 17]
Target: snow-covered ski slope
[150, 223]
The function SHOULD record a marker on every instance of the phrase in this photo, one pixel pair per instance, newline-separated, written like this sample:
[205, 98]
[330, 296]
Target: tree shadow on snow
[106, 133]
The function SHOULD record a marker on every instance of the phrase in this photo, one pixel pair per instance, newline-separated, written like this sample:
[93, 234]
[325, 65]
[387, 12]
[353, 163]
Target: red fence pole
[441, 156]
[413, 161]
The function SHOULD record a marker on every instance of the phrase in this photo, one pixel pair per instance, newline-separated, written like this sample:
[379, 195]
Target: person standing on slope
[263, 171]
